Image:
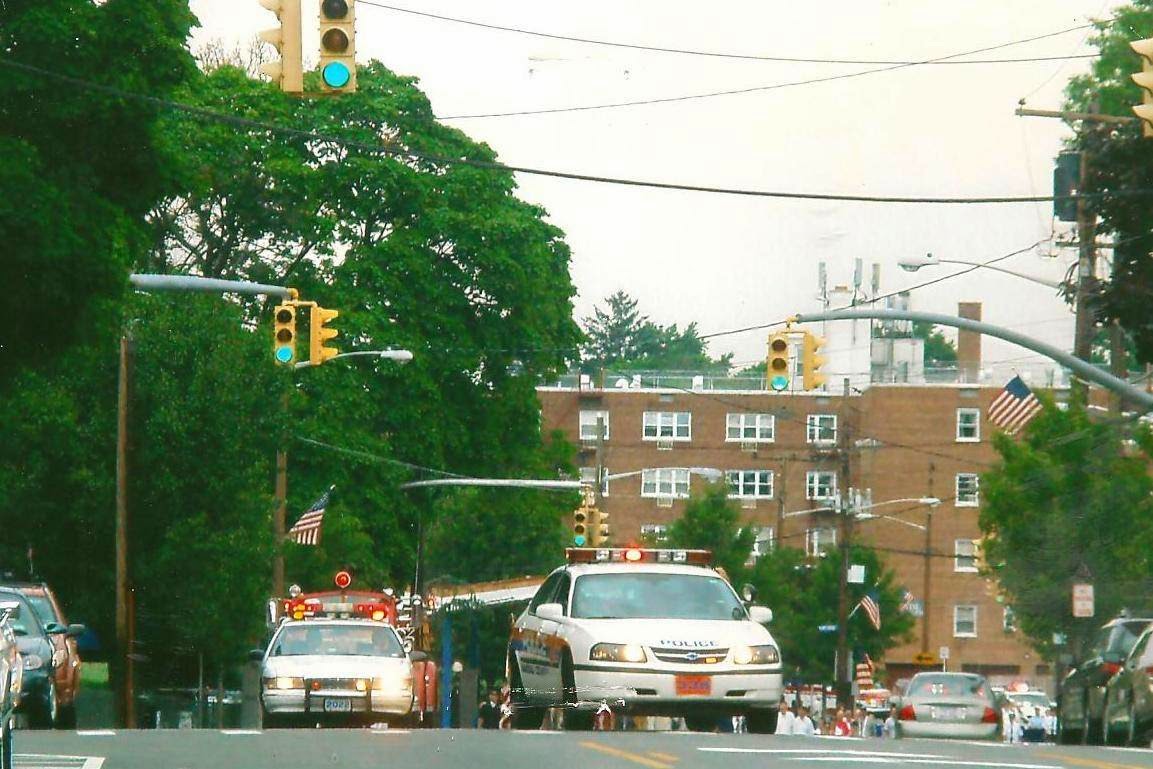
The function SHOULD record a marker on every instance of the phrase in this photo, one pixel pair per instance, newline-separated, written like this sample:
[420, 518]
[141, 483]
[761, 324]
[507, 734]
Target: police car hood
[678, 633]
[335, 666]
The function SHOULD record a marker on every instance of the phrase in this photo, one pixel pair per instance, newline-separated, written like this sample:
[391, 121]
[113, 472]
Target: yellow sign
[926, 658]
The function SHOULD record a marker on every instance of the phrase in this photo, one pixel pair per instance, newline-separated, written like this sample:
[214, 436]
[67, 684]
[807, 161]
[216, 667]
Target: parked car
[11, 677]
[1128, 709]
[1081, 701]
[39, 697]
[948, 705]
[65, 655]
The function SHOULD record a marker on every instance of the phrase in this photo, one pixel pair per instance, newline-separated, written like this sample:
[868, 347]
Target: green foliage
[939, 349]
[711, 521]
[803, 594]
[1069, 497]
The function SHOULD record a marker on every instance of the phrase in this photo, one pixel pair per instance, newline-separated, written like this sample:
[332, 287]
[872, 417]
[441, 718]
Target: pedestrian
[1011, 728]
[488, 714]
[804, 723]
[841, 726]
[1034, 727]
[786, 720]
[869, 724]
[1051, 725]
[889, 730]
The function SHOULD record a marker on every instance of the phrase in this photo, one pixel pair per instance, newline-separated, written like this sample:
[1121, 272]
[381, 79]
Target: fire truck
[343, 657]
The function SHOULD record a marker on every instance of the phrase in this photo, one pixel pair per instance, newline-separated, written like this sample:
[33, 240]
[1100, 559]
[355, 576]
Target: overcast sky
[728, 262]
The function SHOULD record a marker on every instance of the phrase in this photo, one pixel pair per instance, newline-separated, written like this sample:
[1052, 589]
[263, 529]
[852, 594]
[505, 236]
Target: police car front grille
[333, 684]
[691, 656]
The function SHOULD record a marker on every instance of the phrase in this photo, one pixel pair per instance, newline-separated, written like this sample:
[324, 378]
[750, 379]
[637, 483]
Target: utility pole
[843, 682]
[280, 512]
[927, 585]
[780, 534]
[1086, 263]
[598, 494]
[125, 624]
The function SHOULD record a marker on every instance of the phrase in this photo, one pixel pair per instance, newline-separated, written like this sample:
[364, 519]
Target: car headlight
[755, 655]
[380, 683]
[284, 682]
[33, 661]
[618, 653]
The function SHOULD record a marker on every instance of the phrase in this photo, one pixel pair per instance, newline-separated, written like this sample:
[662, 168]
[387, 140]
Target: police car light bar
[638, 555]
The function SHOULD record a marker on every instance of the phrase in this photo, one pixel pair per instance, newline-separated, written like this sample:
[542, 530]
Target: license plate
[948, 714]
[334, 705]
[694, 686]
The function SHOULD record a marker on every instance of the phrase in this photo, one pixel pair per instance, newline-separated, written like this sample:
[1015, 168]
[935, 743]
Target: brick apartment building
[784, 453]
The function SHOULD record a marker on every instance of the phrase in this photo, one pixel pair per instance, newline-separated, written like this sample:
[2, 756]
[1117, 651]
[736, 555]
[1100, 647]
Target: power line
[410, 154]
[713, 54]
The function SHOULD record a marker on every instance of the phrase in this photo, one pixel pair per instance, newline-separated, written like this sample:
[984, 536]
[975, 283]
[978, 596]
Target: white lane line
[817, 752]
[980, 762]
[854, 759]
[93, 762]
[538, 731]
[389, 731]
[95, 732]
[241, 731]
[50, 761]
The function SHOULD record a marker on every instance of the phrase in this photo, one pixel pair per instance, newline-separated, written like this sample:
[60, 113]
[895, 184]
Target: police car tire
[66, 717]
[523, 716]
[762, 721]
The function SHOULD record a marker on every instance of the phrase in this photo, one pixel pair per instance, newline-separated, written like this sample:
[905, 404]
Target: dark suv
[1081, 702]
[63, 662]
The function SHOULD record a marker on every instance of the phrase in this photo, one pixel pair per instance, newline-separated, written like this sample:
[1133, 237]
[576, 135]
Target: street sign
[826, 628]
[943, 652]
[925, 658]
[1083, 600]
[856, 574]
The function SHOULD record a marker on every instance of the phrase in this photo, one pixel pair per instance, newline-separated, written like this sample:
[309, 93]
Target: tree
[939, 349]
[1071, 498]
[711, 521]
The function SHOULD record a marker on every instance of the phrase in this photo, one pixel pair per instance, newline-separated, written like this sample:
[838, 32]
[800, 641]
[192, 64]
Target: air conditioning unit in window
[664, 444]
[664, 501]
[748, 504]
[749, 446]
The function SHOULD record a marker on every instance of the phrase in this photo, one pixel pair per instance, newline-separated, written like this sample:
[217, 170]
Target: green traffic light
[779, 383]
[579, 540]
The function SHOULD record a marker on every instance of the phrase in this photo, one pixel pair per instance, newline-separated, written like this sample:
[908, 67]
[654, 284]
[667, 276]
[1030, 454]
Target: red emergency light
[638, 555]
[342, 579]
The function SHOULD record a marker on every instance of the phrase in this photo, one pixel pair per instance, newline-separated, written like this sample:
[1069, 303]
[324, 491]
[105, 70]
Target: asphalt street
[458, 749]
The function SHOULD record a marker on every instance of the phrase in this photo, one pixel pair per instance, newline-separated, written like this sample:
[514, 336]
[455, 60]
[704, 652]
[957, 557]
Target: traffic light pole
[125, 625]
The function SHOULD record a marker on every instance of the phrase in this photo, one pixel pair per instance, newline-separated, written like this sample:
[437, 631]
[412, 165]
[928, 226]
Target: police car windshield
[337, 640]
[648, 595]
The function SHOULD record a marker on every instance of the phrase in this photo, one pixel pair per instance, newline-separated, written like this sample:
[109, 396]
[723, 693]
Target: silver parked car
[1127, 715]
[948, 705]
[11, 679]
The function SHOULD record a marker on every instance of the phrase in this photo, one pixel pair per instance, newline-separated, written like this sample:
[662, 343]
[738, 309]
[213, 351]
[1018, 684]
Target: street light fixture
[928, 260]
[400, 356]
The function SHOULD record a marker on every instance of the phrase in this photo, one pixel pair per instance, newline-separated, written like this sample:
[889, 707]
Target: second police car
[650, 632]
[335, 657]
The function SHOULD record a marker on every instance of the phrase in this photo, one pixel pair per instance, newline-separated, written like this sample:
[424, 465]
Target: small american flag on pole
[1014, 407]
[306, 530]
[872, 609]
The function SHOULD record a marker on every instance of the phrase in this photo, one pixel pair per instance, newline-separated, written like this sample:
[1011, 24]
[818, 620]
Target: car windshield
[1116, 639]
[27, 623]
[337, 640]
[1030, 698]
[652, 595]
[948, 686]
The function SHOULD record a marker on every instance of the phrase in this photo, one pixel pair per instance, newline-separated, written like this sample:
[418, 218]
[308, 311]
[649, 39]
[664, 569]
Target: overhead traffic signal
[338, 45]
[778, 364]
[600, 532]
[580, 518]
[811, 362]
[284, 334]
[288, 72]
[1144, 78]
[319, 333]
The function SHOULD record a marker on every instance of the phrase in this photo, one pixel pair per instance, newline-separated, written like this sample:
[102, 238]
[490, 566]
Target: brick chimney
[969, 344]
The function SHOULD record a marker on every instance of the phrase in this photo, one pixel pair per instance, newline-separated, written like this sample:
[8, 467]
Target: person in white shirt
[890, 728]
[786, 720]
[804, 725]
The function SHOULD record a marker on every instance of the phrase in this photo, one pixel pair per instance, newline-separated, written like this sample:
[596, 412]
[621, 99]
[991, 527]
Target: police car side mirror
[762, 615]
[75, 630]
[256, 655]
[552, 611]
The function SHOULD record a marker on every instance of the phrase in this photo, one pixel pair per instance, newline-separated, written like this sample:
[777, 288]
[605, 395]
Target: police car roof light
[342, 579]
[632, 554]
[638, 555]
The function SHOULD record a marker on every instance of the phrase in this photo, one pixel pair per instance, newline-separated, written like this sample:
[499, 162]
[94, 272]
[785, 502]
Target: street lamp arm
[400, 356]
[504, 483]
[871, 516]
[929, 501]
[1042, 281]
[150, 282]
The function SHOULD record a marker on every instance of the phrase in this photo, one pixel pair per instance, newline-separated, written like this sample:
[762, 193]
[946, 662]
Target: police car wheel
[523, 716]
[762, 721]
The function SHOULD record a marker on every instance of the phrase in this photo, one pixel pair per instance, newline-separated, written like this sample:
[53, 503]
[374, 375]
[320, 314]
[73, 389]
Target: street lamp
[400, 356]
[928, 260]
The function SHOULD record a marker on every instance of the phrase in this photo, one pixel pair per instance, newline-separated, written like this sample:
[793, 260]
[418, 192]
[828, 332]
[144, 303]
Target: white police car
[653, 632]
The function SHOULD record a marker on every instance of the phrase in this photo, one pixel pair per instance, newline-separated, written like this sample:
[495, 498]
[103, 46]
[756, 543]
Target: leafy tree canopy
[712, 521]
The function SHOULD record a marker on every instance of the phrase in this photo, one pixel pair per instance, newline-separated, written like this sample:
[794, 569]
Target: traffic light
[288, 73]
[778, 367]
[1144, 78]
[284, 334]
[338, 45]
[600, 528]
[811, 362]
[580, 526]
[318, 334]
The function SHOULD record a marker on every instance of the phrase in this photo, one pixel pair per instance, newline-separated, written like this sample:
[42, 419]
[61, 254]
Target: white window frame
[658, 422]
[966, 552]
[764, 542]
[820, 540]
[1008, 619]
[813, 484]
[816, 424]
[975, 425]
[762, 426]
[658, 531]
[750, 484]
[589, 475]
[665, 483]
[958, 501]
[588, 419]
[957, 611]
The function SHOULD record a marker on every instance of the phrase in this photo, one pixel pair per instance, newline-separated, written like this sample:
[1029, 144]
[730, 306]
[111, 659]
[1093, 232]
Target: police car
[334, 658]
[644, 631]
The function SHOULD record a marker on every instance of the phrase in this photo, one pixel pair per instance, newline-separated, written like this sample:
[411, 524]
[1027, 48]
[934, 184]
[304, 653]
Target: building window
[668, 425]
[588, 424]
[820, 484]
[654, 532]
[964, 555]
[760, 428]
[589, 476]
[821, 428]
[967, 493]
[968, 425]
[750, 484]
[764, 543]
[964, 621]
[818, 542]
[1009, 620]
[665, 482]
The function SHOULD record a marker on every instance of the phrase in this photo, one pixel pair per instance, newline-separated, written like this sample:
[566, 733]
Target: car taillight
[907, 714]
[990, 716]
[1110, 668]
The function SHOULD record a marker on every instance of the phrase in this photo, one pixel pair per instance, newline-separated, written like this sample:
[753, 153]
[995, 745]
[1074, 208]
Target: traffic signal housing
[778, 363]
[1144, 78]
[580, 518]
[319, 334]
[599, 528]
[288, 72]
[284, 334]
[338, 45]
[811, 362]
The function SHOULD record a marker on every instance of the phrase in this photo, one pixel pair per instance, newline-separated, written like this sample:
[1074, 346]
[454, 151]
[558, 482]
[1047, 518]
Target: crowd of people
[799, 720]
[1029, 724]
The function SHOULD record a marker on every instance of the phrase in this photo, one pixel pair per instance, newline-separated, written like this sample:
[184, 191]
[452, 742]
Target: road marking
[885, 757]
[636, 758]
[95, 733]
[1090, 762]
[664, 757]
[48, 761]
[971, 762]
[818, 751]
[241, 731]
[390, 731]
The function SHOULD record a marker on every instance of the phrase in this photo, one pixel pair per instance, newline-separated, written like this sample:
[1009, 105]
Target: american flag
[872, 608]
[306, 530]
[1014, 407]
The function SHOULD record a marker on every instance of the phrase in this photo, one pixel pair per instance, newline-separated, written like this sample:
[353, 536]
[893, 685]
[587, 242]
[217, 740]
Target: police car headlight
[618, 653]
[754, 655]
[284, 682]
[381, 683]
[33, 662]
